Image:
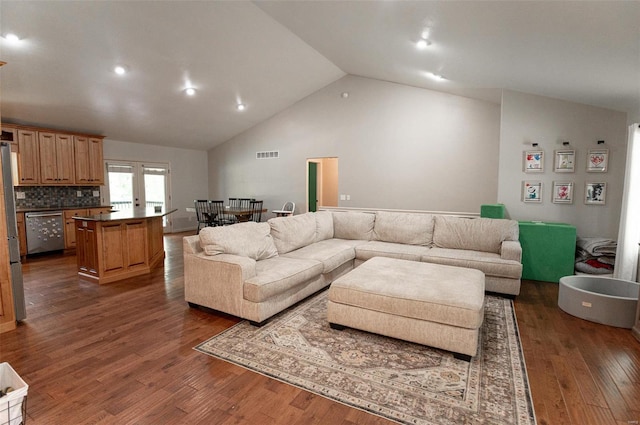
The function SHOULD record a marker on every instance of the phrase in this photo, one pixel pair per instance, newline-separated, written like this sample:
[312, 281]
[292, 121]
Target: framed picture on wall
[533, 161]
[532, 192]
[597, 160]
[564, 161]
[595, 193]
[562, 193]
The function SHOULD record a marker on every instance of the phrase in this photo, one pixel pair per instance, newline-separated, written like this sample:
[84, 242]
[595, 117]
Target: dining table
[241, 214]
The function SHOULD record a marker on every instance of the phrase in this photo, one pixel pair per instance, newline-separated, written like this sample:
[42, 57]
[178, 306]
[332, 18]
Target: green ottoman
[548, 250]
[492, 211]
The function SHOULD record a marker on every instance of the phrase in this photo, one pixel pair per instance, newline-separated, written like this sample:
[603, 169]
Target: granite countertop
[78, 207]
[128, 214]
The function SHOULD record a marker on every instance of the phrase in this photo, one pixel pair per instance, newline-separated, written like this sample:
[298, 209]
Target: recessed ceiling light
[436, 77]
[120, 69]
[190, 91]
[423, 43]
[241, 106]
[12, 38]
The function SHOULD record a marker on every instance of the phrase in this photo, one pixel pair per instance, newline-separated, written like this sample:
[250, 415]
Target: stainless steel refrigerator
[12, 234]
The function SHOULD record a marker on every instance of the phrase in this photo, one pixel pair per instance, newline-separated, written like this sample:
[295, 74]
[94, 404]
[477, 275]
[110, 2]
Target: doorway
[322, 183]
[131, 184]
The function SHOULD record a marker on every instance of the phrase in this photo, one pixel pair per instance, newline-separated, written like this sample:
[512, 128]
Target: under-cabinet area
[42, 156]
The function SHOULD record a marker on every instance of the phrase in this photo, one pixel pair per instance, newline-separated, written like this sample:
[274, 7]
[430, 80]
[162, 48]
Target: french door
[132, 184]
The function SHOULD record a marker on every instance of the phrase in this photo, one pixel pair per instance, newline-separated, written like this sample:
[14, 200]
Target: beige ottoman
[430, 304]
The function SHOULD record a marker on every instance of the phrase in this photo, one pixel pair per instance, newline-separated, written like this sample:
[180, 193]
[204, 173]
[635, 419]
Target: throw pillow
[324, 225]
[404, 228]
[245, 239]
[353, 225]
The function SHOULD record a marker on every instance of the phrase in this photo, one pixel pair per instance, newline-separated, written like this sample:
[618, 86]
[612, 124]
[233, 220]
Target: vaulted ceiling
[268, 55]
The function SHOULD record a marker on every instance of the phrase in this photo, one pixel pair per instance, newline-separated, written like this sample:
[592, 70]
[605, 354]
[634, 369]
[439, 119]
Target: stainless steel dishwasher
[45, 231]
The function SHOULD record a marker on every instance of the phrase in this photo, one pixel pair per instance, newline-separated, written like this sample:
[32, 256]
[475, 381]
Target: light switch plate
[20, 195]
[79, 193]
[96, 193]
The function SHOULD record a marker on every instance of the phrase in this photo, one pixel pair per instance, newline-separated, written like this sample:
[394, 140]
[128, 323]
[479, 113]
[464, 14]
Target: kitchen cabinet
[120, 245]
[88, 160]
[69, 223]
[28, 157]
[54, 157]
[70, 227]
[57, 165]
[22, 234]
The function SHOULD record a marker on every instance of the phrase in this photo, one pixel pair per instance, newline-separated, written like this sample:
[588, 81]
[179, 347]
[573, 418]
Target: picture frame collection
[564, 162]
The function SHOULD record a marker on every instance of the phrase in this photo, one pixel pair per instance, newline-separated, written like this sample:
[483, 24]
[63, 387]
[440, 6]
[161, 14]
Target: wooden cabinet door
[86, 254]
[22, 233]
[57, 164]
[99, 210]
[28, 157]
[48, 169]
[88, 160]
[70, 227]
[65, 164]
[83, 162]
[96, 162]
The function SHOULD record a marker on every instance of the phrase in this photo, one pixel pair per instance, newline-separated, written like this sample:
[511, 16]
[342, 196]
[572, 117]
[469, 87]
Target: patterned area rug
[401, 381]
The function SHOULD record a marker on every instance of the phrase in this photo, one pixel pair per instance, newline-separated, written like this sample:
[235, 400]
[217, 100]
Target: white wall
[527, 119]
[399, 147]
[188, 174]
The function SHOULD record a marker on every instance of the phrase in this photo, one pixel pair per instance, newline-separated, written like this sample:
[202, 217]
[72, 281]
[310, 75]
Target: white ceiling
[271, 54]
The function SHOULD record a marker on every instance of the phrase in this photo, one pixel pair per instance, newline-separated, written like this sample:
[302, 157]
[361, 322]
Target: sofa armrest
[191, 244]
[217, 281]
[511, 250]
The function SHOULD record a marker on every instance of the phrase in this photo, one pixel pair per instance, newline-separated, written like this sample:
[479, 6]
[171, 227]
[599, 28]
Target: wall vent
[268, 155]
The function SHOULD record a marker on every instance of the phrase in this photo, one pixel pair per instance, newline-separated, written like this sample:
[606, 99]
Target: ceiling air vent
[268, 155]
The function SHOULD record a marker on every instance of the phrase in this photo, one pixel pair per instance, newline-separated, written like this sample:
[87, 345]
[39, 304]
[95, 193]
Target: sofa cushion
[324, 225]
[405, 228]
[277, 275]
[332, 253]
[390, 250]
[249, 239]
[353, 225]
[475, 234]
[487, 262]
[293, 232]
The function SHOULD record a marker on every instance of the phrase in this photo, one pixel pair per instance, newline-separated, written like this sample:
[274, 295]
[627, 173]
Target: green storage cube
[548, 250]
[492, 211]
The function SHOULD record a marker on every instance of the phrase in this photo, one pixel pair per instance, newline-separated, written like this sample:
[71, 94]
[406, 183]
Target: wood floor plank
[123, 353]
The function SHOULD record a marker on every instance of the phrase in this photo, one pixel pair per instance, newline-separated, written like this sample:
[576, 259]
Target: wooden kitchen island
[119, 245]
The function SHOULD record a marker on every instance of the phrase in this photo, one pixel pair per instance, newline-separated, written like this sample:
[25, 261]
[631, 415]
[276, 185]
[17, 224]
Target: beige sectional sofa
[255, 270]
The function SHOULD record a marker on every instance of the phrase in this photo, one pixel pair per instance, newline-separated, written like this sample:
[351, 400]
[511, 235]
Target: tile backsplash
[56, 196]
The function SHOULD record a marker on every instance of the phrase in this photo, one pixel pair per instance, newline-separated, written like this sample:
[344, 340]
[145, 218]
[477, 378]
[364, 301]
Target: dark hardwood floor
[123, 353]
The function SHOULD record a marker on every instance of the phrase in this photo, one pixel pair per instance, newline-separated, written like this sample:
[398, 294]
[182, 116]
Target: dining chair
[234, 203]
[245, 203]
[203, 213]
[217, 210]
[256, 211]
